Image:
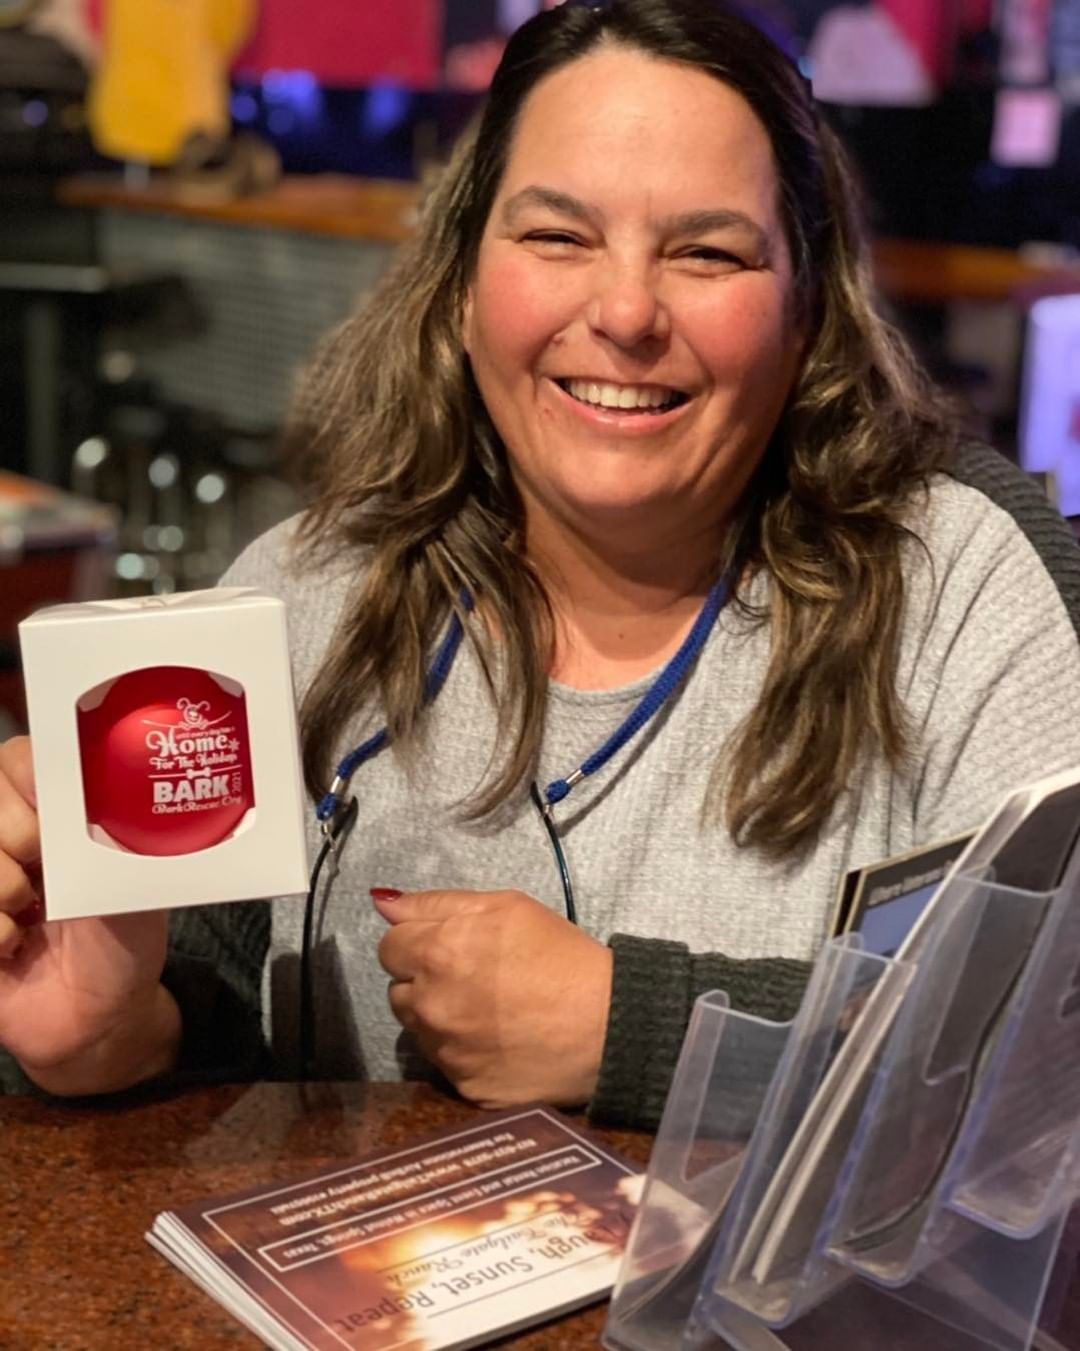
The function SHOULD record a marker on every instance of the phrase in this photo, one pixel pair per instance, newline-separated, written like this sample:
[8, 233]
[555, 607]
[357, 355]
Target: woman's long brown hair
[411, 479]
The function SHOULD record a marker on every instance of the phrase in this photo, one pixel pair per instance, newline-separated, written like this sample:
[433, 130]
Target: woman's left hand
[505, 996]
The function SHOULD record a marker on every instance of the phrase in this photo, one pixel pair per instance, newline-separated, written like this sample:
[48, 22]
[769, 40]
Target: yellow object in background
[164, 75]
[231, 24]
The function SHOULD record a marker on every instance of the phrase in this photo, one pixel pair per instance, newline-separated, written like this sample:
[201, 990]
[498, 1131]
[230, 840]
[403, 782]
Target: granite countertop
[82, 1184]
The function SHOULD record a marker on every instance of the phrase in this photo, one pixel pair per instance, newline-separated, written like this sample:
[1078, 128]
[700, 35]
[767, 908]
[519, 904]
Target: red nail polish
[386, 894]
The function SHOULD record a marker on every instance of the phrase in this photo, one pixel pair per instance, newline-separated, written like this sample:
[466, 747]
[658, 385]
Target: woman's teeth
[635, 398]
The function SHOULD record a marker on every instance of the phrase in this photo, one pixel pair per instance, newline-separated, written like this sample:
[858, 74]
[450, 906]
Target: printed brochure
[448, 1242]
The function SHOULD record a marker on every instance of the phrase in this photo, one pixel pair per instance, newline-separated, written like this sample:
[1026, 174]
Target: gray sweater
[989, 672]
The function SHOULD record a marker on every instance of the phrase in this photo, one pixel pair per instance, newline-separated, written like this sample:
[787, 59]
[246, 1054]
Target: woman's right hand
[82, 1008]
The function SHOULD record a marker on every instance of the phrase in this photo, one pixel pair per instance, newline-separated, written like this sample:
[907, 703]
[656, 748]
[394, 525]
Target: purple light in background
[35, 112]
[296, 92]
[385, 108]
[245, 107]
[281, 121]
[513, 13]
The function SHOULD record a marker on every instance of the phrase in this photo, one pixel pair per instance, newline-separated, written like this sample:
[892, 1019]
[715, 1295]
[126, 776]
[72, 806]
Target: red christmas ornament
[166, 759]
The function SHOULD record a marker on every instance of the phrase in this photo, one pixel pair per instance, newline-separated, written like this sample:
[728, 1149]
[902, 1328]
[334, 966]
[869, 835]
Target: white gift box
[72, 655]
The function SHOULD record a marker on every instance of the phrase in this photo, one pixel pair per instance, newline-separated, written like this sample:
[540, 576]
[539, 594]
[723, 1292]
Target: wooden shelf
[381, 210]
[325, 204]
[913, 270]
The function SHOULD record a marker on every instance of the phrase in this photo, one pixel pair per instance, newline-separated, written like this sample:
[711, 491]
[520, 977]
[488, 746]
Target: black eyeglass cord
[336, 830]
[560, 857]
[334, 833]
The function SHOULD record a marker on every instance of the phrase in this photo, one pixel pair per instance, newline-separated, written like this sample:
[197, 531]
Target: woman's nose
[626, 307]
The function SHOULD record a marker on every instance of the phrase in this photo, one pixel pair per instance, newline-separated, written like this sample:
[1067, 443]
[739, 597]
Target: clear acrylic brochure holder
[893, 1169]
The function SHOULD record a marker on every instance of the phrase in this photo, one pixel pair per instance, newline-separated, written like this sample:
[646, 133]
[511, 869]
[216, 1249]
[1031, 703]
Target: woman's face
[631, 322]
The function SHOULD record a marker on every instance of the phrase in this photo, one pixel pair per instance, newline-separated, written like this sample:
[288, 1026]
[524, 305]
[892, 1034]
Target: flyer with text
[445, 1243]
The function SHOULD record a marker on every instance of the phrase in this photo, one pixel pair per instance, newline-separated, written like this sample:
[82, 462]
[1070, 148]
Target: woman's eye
[704, 253]
[558, 237]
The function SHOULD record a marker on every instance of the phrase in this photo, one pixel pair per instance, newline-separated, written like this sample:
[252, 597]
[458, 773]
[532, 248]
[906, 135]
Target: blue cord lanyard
[436, 678]
[655, 697]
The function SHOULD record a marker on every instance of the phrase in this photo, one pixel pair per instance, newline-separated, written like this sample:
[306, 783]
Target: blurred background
[194, 191]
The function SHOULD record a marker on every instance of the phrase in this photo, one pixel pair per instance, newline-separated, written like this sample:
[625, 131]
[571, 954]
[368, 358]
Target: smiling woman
[634, 350]
[647, 585]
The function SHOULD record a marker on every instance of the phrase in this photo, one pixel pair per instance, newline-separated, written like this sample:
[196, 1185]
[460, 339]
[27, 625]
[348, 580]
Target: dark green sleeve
[654, 986]
[214, 972]
[12, 1079]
